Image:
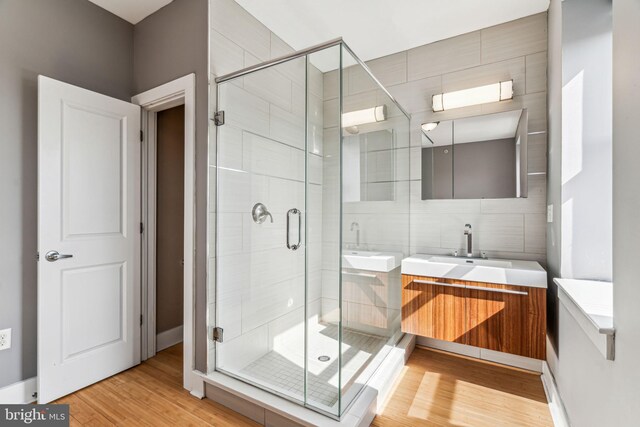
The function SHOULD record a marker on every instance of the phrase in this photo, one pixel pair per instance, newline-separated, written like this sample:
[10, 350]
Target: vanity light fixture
[478, 95]
[428, 127]
[361, 117]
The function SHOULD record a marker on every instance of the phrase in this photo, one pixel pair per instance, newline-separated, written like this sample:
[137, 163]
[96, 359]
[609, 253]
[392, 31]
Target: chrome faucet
[467, 233]
[356, 226]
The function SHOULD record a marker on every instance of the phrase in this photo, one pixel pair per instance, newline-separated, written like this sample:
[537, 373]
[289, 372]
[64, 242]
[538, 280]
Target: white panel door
[88, 237]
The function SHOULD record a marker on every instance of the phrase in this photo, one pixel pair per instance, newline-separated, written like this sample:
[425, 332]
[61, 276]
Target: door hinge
[141, 228]
[37, 256]
[141, 136]
[141, 320]
[218, 118]
[217, 334]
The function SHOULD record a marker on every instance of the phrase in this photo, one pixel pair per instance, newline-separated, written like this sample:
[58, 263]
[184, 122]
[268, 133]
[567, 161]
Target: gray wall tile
[536, 72]
[444, 56]
[535, 236]
[511, 69]
[516, 38]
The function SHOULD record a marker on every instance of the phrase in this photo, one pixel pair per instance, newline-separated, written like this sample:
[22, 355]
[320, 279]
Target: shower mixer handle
[260, 213]
[294, 211]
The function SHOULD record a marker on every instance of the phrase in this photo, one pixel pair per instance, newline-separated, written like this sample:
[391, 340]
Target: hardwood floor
[149, 394]
[435, 389]
[441, 389]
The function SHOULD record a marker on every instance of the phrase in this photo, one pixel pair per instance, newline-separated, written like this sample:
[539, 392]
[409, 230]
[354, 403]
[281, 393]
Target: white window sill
[591, 303]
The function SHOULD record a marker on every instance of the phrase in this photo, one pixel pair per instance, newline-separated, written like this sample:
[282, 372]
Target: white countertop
[593, 298]
[508, 272]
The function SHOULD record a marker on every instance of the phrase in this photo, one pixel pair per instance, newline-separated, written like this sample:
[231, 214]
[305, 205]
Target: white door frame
[177, 92]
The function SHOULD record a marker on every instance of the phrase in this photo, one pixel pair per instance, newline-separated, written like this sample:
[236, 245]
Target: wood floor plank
[149, 394]
[442, 389]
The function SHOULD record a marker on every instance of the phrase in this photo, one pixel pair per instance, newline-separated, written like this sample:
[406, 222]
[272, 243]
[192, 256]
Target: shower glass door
[260, 225]
[268, 185]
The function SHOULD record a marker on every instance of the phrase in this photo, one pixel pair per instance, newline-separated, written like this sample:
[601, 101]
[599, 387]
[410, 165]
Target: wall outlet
[549, 213]
[5, 339]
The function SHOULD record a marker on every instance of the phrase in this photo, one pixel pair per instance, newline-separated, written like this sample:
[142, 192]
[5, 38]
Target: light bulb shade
[362, 117]
[427, 127]
[478, 95]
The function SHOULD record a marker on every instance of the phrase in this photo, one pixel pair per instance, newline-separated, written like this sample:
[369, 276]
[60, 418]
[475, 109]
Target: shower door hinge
[217, 334]
[218, 118]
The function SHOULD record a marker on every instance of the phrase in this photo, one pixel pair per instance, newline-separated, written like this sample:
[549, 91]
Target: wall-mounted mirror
[369, 166]
[480, 157]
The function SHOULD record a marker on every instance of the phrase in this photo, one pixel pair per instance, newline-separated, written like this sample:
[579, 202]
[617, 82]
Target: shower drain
[324, 358]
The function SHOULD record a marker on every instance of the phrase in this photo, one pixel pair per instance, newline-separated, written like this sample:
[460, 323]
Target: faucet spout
[356, 226]
[468, 234]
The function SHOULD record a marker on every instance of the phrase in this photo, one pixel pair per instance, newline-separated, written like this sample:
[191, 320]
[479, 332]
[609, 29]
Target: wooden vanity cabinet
[510, 319]
[431, 310]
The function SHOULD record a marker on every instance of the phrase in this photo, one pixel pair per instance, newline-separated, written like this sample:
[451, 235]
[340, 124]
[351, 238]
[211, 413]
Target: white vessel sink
[371, 261]
[507, 272]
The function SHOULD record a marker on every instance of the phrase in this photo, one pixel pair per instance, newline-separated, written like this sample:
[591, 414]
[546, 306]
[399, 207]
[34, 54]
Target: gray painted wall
[69, 40]
[597, 392]
[586, 139]
[554, 178]
[169, 44]
[579, 241]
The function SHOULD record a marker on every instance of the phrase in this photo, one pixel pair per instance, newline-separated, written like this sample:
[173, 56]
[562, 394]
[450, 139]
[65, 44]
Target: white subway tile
[226, 56]
[270, 85]
[235, 354]
[244, 110]
[239, 26]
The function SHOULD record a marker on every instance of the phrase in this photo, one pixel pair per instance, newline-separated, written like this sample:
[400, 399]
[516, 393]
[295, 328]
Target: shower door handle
[294, 211]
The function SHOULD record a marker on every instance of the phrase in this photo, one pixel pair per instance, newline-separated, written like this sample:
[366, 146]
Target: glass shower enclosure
[310, 179]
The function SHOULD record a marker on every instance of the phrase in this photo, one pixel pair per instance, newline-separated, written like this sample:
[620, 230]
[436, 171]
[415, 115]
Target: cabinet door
[433, 310]
[506, 318]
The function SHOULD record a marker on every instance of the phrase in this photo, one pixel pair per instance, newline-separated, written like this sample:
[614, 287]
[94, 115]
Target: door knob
[52, 256]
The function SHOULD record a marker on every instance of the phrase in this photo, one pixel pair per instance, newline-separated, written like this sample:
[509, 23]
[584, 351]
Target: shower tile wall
[263, 293]
[510, 228]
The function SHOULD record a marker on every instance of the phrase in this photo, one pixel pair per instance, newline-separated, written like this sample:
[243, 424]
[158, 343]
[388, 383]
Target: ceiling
[375, 28]
[133, 11]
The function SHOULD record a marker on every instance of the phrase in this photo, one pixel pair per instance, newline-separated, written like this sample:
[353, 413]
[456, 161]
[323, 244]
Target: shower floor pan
[282, 369]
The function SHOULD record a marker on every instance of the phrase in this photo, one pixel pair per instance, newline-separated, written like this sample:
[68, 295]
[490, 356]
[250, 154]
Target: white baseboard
[168, 338]
[483, 354]
[19, 393]
[556, 407]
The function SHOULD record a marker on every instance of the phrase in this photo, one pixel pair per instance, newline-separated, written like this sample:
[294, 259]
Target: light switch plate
[5, 339]
[550, 213]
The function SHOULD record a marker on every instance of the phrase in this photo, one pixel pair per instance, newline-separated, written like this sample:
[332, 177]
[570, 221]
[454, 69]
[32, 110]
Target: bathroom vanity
[498, 305]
